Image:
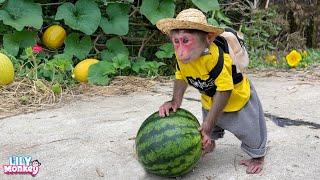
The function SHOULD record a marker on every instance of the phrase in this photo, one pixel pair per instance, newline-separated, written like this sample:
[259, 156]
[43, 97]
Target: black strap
[177, 66]
[236, 77]
[202, 85]
[222, 43]
[214, 73]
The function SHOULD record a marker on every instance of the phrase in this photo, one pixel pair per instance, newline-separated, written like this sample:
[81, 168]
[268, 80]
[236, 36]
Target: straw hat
[188, 19]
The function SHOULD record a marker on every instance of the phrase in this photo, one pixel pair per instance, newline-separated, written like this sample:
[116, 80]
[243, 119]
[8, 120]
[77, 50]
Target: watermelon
[169, 146]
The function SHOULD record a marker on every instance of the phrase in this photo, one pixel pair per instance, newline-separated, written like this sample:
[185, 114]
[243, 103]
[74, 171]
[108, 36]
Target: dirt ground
[93, 137]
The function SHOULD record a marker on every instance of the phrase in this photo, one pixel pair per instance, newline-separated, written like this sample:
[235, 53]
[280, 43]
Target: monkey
[35, 163]
[226, 105]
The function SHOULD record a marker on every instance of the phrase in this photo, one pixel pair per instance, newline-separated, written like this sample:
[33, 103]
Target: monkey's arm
[179, 87]
[220, 101]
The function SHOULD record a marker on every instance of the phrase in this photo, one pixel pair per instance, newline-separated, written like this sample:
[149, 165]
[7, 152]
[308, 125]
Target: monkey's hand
[165, 108]
[207, 143]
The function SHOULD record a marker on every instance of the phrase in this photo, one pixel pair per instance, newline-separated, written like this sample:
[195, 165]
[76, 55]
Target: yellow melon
[54, 36]
[80, 72]
[6, 70]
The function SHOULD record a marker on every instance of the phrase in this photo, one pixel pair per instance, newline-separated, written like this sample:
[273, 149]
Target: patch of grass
[312, 57]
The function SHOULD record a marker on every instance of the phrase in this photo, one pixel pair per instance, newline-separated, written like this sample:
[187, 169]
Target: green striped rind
[169, 146]
[178, 166]
[154, 131]
[179, 113]
[161, 124]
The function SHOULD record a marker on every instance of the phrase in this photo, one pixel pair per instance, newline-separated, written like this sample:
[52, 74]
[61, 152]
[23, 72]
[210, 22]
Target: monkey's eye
[176, 41]
[185, 40]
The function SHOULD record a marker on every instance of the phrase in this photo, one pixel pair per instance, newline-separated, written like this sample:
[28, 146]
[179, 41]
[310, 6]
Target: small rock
[99, 172]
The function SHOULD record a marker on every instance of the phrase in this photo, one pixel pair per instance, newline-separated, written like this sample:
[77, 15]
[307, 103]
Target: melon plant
[169, 146]
[6, 70]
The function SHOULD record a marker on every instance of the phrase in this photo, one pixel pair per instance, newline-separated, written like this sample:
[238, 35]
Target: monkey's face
[35, 163]
[188, 46]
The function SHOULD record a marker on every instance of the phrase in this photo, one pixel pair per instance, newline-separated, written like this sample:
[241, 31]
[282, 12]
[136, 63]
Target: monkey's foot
[254, 165]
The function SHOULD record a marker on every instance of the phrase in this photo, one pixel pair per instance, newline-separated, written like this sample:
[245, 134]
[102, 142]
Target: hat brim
[168, 24]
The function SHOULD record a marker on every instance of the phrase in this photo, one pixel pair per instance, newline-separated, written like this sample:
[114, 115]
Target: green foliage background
[121, 34]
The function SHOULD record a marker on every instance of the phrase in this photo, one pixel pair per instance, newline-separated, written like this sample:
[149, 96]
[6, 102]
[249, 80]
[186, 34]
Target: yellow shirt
[201, 67]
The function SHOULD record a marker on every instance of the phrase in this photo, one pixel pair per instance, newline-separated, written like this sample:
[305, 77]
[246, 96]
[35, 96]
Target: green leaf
[2, 1]
[155, 10]
[205, 5]
[106, 2]
[63, 56]
[21, 13]
[152, 67]
[19, 39]
[121, 61]
[114, 47]
[154, 64]
[213, 22]
[11, 45]
[139, 65]
[56, 88]
[62, 64]
[166, 51]
[99, 73]
[84, 16]
[76, 46]
[57, 69]
[222, 17]
[118, 21]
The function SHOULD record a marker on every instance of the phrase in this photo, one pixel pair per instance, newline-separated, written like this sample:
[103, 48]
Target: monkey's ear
[210, 37]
